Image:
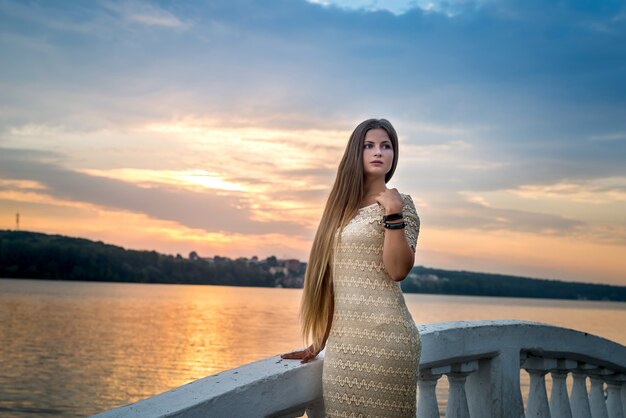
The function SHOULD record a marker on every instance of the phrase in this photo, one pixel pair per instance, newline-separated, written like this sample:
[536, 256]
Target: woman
[352, 303]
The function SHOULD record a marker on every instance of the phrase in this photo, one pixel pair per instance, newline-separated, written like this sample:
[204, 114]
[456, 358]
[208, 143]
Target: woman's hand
[391, 200]
[306, 354]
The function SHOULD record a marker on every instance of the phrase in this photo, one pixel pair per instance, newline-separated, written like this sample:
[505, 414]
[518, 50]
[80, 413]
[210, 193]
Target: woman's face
[377, 153]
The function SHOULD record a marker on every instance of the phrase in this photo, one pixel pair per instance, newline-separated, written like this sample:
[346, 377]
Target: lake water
[78, 348]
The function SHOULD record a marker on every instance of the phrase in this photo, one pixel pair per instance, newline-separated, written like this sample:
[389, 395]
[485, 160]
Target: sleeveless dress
[371, 359]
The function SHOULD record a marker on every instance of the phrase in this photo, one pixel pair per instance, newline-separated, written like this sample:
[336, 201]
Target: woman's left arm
[399, 244]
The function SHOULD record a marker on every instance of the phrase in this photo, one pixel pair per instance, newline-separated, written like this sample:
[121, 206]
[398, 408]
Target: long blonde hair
[342, 204]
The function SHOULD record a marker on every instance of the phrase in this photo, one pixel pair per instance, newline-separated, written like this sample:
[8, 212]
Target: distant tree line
[41, 256]
[430, 280]
[55, 257]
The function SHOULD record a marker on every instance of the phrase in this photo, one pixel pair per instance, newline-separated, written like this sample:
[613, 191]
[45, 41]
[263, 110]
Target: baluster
[537, 368]
[457, 398]
[559, 403]
[316, 409]
[522, 358]
[624, 397]
[427, 404]
[597, 399]
[614, 401]
[579, 400]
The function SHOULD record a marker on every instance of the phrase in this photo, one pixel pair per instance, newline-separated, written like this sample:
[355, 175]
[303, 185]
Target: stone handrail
[481, 359]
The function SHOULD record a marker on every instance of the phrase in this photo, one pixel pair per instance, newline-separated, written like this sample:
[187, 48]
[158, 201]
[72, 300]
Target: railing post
[559, 403]
[597, 399]
[480, 389]
[614, 401]
[623, 391]
[457, 399]
[579, 400]
[493, 391]
[537, 367]
[316, 409]
[427, 406]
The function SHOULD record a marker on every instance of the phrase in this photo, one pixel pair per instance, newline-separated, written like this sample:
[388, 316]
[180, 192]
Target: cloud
[146, 14]
[209, 210]
[473, 212]
[449, 8]
[615, 136]
[94, 19]
[594, 191]
[494, 67]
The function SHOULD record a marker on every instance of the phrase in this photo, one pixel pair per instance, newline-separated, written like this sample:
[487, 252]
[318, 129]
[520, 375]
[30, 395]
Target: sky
[218, 126]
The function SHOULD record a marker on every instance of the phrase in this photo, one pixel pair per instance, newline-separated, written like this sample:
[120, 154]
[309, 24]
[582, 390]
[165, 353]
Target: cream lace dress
[371, 358]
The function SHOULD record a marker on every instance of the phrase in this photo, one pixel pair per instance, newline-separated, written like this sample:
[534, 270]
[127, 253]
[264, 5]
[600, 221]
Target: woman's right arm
[308, 353]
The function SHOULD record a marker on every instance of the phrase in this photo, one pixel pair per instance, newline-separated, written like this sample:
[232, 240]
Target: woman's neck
[374, 187]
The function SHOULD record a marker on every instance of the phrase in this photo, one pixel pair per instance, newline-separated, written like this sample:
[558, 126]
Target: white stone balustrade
[481, 359]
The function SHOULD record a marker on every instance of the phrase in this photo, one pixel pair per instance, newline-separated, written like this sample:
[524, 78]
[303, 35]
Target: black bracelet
[392, 217]
[397, 225]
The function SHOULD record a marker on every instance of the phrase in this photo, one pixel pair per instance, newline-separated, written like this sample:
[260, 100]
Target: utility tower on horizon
[17, 221]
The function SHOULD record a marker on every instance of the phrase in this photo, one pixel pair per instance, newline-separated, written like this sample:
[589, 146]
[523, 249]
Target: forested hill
[450, 282]
[42, 256]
